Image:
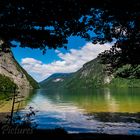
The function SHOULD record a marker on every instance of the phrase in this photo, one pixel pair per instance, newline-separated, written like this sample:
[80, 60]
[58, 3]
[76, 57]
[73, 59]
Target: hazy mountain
[55, 80]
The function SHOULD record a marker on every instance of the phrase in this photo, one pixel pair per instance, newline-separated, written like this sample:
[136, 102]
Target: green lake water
[113, 111]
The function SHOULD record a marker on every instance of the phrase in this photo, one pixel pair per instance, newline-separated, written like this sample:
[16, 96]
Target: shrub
[6, 84]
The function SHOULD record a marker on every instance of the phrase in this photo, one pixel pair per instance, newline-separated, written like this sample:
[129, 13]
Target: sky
[41, 66]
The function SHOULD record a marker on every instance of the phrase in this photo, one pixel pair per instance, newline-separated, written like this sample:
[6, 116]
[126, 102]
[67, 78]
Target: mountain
[94, 74]
[11, 73]
[55, 80]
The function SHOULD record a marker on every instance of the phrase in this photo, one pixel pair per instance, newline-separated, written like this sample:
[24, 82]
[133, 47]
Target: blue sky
[41, 66]
[50, 55]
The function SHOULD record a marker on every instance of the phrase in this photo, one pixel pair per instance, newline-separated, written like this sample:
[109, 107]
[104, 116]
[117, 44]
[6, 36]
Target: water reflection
[93, 110]
[6, 100]
[98, 100]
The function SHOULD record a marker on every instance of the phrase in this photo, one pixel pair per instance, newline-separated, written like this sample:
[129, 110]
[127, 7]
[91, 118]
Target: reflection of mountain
[5, 105]
[97, 100]
[76, 111]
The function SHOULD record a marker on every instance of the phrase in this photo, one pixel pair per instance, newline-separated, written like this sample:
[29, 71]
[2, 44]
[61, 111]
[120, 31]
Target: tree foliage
[6, 84]
[49, 23]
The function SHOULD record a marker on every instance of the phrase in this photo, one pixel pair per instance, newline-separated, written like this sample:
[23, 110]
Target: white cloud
[70, 62]
[31, 61]
[57, 51]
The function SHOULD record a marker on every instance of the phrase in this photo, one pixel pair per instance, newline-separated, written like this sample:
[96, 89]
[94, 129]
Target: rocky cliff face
[10, 68]
[92, 74]
[96, 72]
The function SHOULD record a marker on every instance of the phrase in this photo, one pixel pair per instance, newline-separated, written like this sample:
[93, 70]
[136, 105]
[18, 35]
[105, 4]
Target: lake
[112, 111]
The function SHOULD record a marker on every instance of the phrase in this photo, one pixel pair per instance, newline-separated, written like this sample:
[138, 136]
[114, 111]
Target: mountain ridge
[55, 79]
[94, 74]
[80, 77]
